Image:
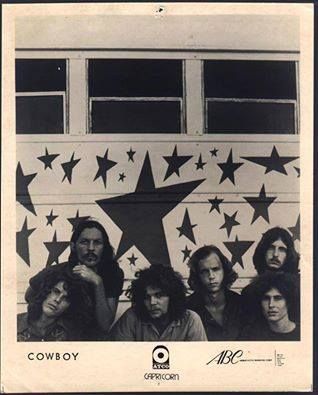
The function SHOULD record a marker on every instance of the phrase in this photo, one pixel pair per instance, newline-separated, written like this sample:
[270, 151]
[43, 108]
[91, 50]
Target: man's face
[274, 305]
[156, 302]
[211, 273]
[89, 247]
[56, 303]
[275, 255]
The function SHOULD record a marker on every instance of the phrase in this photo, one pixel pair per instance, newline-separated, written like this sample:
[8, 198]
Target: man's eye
[282, 249]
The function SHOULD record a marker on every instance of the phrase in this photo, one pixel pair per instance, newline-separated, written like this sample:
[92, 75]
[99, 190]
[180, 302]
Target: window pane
[40, 75]
[233, 117]
[135, 117]
[250, 79]
[135, 78]
[39, 114]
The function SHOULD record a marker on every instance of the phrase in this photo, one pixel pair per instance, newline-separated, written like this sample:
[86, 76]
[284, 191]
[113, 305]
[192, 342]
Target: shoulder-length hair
[194, 279]
[292, 258]
[168, 281]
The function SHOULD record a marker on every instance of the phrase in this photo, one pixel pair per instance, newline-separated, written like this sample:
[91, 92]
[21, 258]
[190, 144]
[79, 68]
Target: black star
[298, 171]
[74, 221]
[186, 229]
[139, 214]
[22, 189]
[121, 177]
[132, 260]
[215, 204]
[186, 253]
[47, 159]
[230, 221]
[228, 168]
[273, 162]
[260, 204]
[175, 162]
[295, 230]
[199, 164]
[68, 168]
[50, 218]
[22, 240]
[237, 248]
[104, 164]
[131, 154]
[55, 248]
[214, 152]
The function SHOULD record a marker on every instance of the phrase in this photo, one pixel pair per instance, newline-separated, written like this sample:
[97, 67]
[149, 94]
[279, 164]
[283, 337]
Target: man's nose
[58, 298]
[271, 302]
[91, 246]
[211, 274]
[153, 300]
[275, 252]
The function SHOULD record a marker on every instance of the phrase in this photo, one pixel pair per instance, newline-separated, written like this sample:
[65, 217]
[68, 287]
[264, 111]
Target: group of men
[78, 299]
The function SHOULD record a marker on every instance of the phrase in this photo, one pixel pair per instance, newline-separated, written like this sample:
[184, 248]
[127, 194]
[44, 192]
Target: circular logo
[160, 354]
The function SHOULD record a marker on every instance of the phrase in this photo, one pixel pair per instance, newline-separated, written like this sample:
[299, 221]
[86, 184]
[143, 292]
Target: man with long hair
[158, 311]
[92, 260]
[211, 276]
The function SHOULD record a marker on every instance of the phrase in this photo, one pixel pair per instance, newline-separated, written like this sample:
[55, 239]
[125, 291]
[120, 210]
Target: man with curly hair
[211, 276]
[158, 311]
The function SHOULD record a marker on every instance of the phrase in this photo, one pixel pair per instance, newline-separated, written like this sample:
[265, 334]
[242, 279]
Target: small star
[230, 221]
[74, 221]
[121, 177]
[215, 204]
[298, 171]
[228, 168]
[131, 154]
[186, 229]
[175, 162]
[22, 189]
[22, 240]
[55, 248]
[260, 204]
[186, 253]
[104, 164]
[214, 152]
[200, 164]
[50, 218]
[132, 260]
[295, 230]
[47, 159]
[238, 248]
[68, 168]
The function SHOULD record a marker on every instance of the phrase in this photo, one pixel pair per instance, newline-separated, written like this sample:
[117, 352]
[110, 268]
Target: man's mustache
[90, 255]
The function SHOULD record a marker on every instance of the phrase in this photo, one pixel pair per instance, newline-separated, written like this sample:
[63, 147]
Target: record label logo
[160, 358]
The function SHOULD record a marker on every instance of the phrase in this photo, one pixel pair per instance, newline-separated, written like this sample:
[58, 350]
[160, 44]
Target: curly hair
[80, 309]
[292, 259]
[194, 279]
[168, 281]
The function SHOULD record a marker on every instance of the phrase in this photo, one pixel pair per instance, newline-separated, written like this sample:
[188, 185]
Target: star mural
[122, 177]
[274, 162]
[22, 242]
[297, 171]
[139, 214]
[47, 159]
[175, 162]
[22, 189]
[186, 253]
[237, 249]
[68, 168]
[130, 154]
[200, 164]
[50, 218]
[215, 204]
[214, 152]
[186, 229]
[55, 248]
[74, 221]
[229, 168]
[295, 230]
[104, 164]
[230, 221]
[132, 260]
[260, 204]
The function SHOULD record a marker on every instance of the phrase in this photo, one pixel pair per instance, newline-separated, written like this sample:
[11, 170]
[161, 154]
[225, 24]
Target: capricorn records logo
[160, 358]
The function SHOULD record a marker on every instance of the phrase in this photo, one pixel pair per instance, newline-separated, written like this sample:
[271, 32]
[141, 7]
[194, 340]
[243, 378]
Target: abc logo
[160, 358]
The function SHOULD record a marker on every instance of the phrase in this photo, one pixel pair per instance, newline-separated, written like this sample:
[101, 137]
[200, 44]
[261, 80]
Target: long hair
[194, 279]
[292, 258]
[168, 281]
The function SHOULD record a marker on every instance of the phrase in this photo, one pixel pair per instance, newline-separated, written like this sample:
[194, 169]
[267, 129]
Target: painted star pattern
[297, 171]
[50, 218]
[214, 152]
[175, 162]
[130, 154]
[230, 221]
[200, 164]
[104, 164]
[260, 204]
[55, 248]
[186, 229]
[74, 221]
[132, 260]
[47, 159]
[186, 253]
[122, 177]
[295, 230]
[68, 168]
[228, 169]
[215, 204]
[22, 240]
[22, 189]
[238, 248]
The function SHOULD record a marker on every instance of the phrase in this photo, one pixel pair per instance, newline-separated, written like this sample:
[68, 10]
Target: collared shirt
[131, 328]
[231, 327]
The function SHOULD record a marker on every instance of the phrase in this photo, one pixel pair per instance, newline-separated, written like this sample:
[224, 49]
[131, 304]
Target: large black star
[260, 204]
[131, 154]
[186, 229]
[237, 248]
[22, 240]
[139, 214]
[50, 218]
[132, 260]
[68, 168]
[186, 253]
[74, 221]
[215, 204]
[228, 168]
[55, 248]
[230, 221]
[274, 162]
[104, 164]
[295, 230]
[200, 164]
[22, 189]
[175, 162]
[47, 159]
